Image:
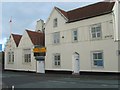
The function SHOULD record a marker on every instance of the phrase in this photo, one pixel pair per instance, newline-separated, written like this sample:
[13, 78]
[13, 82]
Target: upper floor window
[55, 22]
[75, 35]
[56, 38]
[27, 55]
[96, 32]
[10, 57]
[97, 58]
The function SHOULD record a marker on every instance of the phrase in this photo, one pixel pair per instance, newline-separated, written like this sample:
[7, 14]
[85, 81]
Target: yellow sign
[39, 49]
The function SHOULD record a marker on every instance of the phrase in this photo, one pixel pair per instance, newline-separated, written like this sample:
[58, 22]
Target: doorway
[76, 63]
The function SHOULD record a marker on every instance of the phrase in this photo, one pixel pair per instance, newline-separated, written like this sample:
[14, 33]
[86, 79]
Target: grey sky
[25, 14]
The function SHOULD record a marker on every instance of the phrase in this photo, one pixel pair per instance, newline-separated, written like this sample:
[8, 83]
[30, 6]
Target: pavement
[34, 80]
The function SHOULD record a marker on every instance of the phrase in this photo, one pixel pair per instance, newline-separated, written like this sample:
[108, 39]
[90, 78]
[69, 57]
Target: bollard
[13, 87]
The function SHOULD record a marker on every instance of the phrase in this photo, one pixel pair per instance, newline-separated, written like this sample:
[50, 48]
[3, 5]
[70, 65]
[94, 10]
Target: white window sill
[10, 62]
[25, 63]
[98, 67]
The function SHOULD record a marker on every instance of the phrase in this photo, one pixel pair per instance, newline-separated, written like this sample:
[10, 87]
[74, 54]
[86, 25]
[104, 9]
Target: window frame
[94, 31]
[56, 38]
[27, 56]
[74, 36]
[92, 58]
[57, 61]
[10, 57]
[55, 22]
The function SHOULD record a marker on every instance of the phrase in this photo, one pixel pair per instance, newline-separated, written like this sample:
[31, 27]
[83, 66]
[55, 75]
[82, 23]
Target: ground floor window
[27, 58]
[11, 57]
[97, 59]
[27, 55]
[57, 59]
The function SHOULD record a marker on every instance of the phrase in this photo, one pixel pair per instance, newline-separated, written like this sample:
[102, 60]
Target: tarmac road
[34, 80]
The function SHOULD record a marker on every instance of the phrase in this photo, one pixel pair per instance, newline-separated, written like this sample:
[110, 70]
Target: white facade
[19, 64]
[10, 47]
[84, 45]
[19, 49]
[25, 44]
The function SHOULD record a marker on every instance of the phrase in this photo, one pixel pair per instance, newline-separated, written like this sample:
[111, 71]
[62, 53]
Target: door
[40, 66]
[76, 63]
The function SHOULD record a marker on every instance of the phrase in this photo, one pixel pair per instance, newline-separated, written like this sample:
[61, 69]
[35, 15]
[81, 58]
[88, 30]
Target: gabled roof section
[37, 38]
[62, 12]
[16, 38]
[88, 11]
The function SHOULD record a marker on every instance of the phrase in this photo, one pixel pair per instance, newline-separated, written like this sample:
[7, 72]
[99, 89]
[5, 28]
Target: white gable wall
[25, 43]
[49, 24]
[10, 46]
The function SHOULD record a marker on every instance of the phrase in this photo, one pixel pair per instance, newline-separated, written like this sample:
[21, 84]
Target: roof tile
[37, 38]
[16, 38]
[89, 11]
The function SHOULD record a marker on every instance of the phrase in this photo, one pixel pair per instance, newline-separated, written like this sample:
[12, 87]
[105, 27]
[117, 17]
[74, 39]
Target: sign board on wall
[36, 50]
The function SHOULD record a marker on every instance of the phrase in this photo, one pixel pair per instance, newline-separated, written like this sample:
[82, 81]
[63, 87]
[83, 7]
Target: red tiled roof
[89, 11]
[37, 38]
[16, 38]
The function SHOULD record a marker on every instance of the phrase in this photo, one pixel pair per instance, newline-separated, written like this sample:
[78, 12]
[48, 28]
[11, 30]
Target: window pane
[93, 30]
[29, 57]
[55, 22]
[93, 35]
[57, 40]
[55, 57]
[94, 55]
[99, 55]
[75, 38]
[58, 63]
[55, 63]
[98, 29]
[75, 32]
[100, 62]
[56, 37]
[98, 35]
[58, 57]
[95, 62]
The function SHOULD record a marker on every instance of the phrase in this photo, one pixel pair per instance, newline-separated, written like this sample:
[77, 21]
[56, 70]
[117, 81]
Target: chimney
[40, 26]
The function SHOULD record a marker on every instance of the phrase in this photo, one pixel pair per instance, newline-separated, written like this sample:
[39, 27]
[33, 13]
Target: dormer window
[55, 22]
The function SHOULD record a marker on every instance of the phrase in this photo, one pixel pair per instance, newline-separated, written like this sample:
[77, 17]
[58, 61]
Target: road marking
[105, 85]
[61, 82]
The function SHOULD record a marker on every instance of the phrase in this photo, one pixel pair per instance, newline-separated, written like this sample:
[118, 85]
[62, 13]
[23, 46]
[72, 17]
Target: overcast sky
[25, 14]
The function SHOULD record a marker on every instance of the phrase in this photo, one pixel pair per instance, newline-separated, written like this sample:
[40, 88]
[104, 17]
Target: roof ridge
[33, 31]
[89, 5]
[63, 12]
[16, 34]
[84, 12]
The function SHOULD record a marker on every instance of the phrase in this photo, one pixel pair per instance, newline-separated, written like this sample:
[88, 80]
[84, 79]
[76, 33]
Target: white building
[19, 53]
[11, 55]
[26, 57]
[84, 39]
